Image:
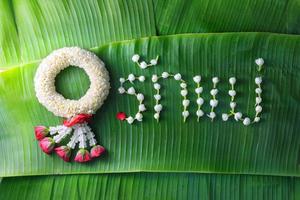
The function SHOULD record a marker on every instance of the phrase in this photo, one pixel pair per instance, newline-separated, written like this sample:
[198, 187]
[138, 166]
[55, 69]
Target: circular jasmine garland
[77, 112]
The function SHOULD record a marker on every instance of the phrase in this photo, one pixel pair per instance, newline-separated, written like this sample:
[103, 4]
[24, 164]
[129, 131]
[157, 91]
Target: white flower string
[143, 65]
[213, 102]
[200, 100]
[131, 91]
[185, 102]
[238, 116]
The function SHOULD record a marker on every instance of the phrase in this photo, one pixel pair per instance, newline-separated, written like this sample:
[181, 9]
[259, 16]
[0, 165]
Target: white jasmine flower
[157, 97]
[225, 117]
[140, 97]
[200, 101]
[213, 103]
[246, 121]
[215, 80]
[199, 90]
[143, 65]
[130, 120]
[258, 91]
[259, 61]
[154, 78]
[142, 108]
[258, 80]
[156, 116]
[212, 115]
[142, 78]
[122, 80]
[121, 90]
[131, 77]
[238, 116]
[232, 93]
[197, 78]
[135, 58]
[139, 116]
[214, 92]
[183, 92]
[258, 108]
[183, 85]
[232, 80]
[158, 107]
[177, 77]
[165, 74]
[131, 90]
[257, 119]
[186, 102]
[157, 86]
[153, 62]
[199, 113]
[258, 100]
[232, 105]
[185, 113]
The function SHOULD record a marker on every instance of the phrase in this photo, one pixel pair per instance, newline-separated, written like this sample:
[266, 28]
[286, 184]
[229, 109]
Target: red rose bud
[47, 145]
[41, 132]
[82, 156]
[97, 151]
[64, 152]
[78, 119]
[121, 116]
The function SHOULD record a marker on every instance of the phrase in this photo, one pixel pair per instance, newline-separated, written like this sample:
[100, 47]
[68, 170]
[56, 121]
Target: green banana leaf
[30, 29]
[151, 186]
[196, 16]
[270, 147]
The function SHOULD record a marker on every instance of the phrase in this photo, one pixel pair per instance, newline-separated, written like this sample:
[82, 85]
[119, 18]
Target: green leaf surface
[205, 16]
[30, 29]
[151, 186]
[270, 147]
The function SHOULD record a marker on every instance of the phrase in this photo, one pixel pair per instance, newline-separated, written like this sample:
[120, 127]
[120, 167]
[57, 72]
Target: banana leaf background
[171, 159]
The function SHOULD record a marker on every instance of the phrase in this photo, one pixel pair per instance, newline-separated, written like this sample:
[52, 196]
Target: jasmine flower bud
[259, 61]
[224, 117]
[130, 120]
[142, 78]
[158, 107]
[183, 92]
[185, 113]
[143, 65]
[131, 90]
[157, 86]
[142, 108]
[177, 77]
[185, 102]
[258, 109]
[135, 58]
[197, 78]
[165, 74]
[214, 92]
[199, 90]
[131, 77]
[140, 97]
[215, 80]
[199, 113]
[121, 90]
[200, 101]
[213, 103]
[154, 78]
[258, 80]
[246, 121]
[238, 116]
[232, 80]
